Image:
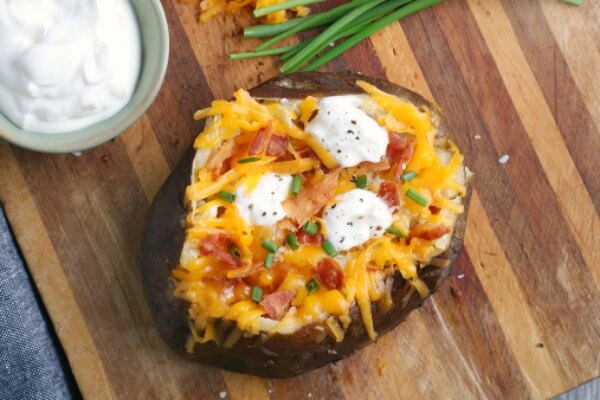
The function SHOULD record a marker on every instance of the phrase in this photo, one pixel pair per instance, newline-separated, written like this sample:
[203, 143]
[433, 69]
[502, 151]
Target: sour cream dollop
[347, 132]
[66, 64]
[356, 217]
[262, 206]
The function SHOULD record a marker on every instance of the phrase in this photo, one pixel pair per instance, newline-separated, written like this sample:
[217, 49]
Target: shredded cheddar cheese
[212, 8]
[224, 256]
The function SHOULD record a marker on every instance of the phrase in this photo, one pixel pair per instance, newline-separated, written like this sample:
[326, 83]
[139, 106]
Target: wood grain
[520, 318]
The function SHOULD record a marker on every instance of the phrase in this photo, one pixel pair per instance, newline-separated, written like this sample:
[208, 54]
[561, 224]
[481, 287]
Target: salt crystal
[504, 159]
[461, 276]
[223, 394]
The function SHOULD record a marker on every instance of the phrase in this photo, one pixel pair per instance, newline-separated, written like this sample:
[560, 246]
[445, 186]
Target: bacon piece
[305, 238]
[312, 198]
[366, 167]
[428, 233]
[307, 152]
[388, 191]
[220, 156]
[226, 166]
[277, 146]
[329, 274]
[434, 209]
[399, 153]
[217, 245]
[276, 304]
[261, 140]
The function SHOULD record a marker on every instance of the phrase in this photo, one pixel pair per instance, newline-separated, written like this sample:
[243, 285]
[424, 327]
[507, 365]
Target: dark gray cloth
[30, 360]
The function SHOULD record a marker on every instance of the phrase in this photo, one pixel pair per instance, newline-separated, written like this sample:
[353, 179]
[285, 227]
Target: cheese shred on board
[300, 210]
[211, 8]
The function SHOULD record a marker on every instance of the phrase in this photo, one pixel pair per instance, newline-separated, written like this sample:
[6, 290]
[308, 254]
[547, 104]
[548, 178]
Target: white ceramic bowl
[155, 55]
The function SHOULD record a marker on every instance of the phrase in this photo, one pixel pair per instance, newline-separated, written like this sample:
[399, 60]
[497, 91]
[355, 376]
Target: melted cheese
[367, 255]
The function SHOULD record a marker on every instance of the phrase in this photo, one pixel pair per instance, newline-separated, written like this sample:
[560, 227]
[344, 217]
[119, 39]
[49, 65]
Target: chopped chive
[248, 160]
[311, 228]
[574, 2]
[292, 240]
[256, 294]
[269, 260]
[312, 286]
[234, 251]
[408, 176]
[395, 231]
[329, 249]
[361, 182]
[296, 184]
[269, 245]
[230, 197]
[286, 5]
[417, 197]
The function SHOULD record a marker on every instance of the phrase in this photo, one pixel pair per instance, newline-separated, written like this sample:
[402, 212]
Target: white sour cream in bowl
[66, 64]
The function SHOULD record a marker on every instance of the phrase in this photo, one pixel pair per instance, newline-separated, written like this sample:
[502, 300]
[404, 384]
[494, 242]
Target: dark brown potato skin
[279, 356]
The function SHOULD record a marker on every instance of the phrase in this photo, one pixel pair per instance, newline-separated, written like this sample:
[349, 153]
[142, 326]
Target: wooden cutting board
[520, 318]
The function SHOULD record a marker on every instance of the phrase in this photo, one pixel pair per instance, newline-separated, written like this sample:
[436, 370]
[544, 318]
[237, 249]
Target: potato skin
[278, 356]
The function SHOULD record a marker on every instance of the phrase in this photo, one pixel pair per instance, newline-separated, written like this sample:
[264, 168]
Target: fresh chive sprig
[326, 37]
[343, 26]
[321, 19]
[286, 5]
[358, 37]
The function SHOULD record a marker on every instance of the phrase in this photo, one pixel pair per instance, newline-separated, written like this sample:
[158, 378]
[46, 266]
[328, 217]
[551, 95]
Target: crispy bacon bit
[226, 166]
[367, 167]
[261, 140]
[220, 156]
[399, 153]
[329, 274]
[434, 209]
[217, 245]
[305, 238]
[428, 233]
[276, 304]
[307, 152]
[277, 146]
[388, 191]
[312, 198]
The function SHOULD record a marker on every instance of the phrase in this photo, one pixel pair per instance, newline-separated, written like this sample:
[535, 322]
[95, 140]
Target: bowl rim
[39, 141]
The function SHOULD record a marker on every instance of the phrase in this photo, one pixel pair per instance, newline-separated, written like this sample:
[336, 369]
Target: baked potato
[279, 245]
